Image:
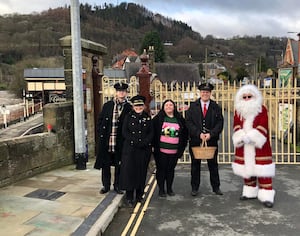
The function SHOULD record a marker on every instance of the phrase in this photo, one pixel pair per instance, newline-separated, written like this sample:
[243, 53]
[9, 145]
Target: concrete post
[79, 124]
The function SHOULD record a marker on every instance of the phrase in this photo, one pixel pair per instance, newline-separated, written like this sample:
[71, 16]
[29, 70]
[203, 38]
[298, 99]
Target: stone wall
[27, 156]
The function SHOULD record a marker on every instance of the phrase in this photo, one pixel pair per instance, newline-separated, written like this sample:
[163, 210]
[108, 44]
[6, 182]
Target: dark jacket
[138, 133]
[104, 126]
[213, 122]
[183, 133]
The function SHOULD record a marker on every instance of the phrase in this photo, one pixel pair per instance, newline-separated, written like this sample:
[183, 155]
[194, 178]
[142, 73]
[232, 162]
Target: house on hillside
[291, 58]
[128, 55]
[212, 69]
[128, 63]
[289, 69]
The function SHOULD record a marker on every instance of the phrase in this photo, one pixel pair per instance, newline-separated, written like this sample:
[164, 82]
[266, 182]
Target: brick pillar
[144, 80]
[96, 75]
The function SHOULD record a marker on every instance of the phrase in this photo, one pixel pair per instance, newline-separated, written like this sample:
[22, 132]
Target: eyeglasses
[249, 96]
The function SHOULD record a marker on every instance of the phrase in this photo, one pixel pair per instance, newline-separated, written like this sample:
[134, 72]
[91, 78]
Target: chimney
[151, 54]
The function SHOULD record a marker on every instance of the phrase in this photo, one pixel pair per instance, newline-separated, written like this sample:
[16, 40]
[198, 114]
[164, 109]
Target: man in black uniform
[109, 131]
[204, 120]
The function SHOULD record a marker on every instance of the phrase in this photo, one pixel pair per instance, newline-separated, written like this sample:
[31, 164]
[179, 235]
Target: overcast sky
[220, 18]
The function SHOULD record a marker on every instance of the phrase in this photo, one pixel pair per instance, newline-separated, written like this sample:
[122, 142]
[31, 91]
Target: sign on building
[285, 76]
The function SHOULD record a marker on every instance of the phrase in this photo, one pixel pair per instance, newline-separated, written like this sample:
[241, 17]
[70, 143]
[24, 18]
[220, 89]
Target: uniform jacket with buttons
[137, 132]
[197, 124]
[104, 126]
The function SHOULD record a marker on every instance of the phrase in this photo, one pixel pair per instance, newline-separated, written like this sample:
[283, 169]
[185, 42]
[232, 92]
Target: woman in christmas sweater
[169, 142]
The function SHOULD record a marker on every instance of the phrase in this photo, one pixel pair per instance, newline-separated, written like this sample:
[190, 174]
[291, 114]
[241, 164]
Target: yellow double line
[137, 209]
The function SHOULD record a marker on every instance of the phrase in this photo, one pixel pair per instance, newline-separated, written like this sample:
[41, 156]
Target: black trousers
[165, 170]
[138, 194]
[106, 173]
[213, 172]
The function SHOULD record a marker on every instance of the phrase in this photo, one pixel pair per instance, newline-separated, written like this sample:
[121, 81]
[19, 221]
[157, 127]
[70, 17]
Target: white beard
[248, 108]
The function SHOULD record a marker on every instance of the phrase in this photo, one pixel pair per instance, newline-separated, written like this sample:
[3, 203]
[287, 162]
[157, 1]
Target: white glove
[246, 140]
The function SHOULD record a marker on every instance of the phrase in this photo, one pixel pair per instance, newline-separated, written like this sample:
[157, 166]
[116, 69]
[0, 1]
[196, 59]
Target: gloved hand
[246, 140]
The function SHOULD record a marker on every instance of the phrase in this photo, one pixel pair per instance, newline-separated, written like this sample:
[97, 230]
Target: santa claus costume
[253, 153]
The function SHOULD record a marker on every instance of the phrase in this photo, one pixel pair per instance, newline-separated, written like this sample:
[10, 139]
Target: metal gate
[282, 104]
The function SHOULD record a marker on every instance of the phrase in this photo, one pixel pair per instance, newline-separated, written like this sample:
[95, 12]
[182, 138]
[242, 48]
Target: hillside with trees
[28, 41]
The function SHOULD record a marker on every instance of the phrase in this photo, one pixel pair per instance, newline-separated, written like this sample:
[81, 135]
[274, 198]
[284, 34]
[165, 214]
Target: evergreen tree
[152, 39]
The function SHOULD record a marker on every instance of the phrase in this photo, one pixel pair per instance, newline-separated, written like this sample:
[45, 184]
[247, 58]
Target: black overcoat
[104, 126]
[138, 133]
[183, 133]
[213, 122]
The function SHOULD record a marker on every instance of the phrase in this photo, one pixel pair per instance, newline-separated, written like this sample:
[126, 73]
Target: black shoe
[162, 194]
[218, 192]
[129, 203]
[171, 193]
[140, 199]
[104, 190]
[268, 204]
[244, 198]
[194, 192]
[118, 191]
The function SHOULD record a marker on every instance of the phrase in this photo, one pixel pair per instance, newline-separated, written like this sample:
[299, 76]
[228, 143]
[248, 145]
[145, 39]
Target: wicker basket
[204, 152]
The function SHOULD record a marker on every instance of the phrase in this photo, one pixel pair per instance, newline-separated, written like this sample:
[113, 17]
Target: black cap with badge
[138, 100]
[120, 86]
[206, 87]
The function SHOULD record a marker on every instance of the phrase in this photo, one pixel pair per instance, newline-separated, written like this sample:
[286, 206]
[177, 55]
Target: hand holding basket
[203, 151]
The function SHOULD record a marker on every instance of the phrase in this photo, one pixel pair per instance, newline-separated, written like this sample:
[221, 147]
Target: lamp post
[79, 124]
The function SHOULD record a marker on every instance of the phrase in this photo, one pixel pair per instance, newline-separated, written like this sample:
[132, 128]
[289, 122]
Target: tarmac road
[209, 214]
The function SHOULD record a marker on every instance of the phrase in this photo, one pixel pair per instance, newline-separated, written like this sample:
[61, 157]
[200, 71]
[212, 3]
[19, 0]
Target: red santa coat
[254, 158]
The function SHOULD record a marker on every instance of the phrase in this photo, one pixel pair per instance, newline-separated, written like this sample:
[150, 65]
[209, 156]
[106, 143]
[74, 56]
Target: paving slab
[58, 202]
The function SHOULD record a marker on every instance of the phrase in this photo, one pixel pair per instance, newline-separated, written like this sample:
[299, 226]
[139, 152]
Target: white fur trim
[249, 191]
[258, 170]
[265, 195]
[248, 123]
[265, 170]
[249, 158]
[257, 138]
[237, 138]
[239, 170]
